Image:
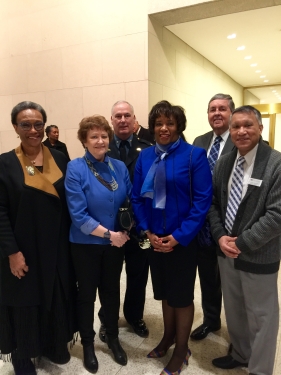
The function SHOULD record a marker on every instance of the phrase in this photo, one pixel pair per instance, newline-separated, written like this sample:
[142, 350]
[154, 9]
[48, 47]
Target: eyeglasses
[27, 126]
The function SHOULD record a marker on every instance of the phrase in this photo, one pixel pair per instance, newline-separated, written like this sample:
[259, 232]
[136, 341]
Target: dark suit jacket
[145, 134]
[205, 140]
[34, 219]
[136, 147]
[60, 146]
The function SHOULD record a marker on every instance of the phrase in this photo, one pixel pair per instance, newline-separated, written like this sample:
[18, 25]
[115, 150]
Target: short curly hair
[167, 109]
[22, 106]
[91, 122]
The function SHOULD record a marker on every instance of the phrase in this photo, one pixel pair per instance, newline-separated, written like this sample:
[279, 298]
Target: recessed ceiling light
[241, 48]
[258, 71]
[266, 80]
[262, 101]
[262, 76]
[274, 91]
[254, 64]
[247, 57]
[231, 36]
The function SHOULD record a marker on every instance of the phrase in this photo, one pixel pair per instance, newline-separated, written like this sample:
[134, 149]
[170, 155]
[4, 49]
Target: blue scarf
[154, 185]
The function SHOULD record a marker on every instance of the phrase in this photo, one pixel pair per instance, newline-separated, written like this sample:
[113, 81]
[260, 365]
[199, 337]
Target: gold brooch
[30, 170]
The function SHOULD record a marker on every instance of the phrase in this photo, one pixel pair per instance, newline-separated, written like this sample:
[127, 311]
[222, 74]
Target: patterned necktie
[235, 194]
[123, 151]
[214, 153]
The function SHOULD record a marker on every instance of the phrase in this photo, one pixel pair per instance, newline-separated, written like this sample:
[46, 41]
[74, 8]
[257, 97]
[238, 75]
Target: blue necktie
[235, 194]
[204, 235]
[214, 153]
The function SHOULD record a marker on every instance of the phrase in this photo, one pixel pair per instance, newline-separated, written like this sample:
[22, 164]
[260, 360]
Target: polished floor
[203, 352]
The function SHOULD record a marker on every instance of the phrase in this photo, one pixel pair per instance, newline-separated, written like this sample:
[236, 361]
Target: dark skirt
[173, 274]
[31, 331]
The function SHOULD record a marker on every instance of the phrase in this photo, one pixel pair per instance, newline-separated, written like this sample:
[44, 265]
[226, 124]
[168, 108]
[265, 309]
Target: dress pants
[137, 274]
[252, 316]
[210, 282]
[97, 266]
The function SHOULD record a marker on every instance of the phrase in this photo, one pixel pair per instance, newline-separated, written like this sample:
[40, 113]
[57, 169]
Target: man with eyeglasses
[126, 146]
[217, 142]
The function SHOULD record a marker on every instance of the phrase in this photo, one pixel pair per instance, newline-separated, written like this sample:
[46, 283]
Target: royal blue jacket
[188, 193]
[90, 203]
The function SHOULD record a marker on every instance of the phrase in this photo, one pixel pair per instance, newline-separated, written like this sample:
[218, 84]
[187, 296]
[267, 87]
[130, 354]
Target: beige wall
[75, 58]
[250, 98]
[179, 74]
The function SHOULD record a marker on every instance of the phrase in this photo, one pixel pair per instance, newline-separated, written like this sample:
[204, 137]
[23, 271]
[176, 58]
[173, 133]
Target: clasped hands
[118, 239]
[162, 244]
[228, 246]
[17, 265]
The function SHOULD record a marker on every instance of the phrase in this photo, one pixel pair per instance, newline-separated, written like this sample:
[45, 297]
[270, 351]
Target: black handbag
[126, 215]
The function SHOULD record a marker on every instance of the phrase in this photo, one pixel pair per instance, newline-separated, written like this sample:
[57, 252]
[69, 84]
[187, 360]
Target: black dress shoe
[227, 362]
[90, 360]
[202, 331]
[102, 333]
[140, 328]
[23, 366]
[118, 352]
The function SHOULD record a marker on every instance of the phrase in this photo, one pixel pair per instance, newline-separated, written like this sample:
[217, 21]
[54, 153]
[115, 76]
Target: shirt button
[111, 215]
[111, 199]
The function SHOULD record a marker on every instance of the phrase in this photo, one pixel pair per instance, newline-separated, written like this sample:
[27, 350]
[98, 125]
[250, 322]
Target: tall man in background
[126, 146]
[143, 133]
[216, 142]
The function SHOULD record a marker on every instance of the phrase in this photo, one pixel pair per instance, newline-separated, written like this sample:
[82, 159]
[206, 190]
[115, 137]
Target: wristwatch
[107, 234]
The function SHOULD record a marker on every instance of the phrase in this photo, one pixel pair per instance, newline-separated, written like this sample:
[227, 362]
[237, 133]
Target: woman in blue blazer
[96, 186]
[172, 193]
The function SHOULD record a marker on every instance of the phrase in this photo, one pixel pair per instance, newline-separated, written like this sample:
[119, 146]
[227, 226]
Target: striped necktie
[214, 153]
[235, 194]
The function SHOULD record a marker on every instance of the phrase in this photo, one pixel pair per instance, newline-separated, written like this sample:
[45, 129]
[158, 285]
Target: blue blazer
[90, 203]
[187, 201]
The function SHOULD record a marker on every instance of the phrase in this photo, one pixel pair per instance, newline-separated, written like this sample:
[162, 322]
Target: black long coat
[34, 219]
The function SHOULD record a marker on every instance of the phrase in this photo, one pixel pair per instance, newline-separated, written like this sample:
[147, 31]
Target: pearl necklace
[31, 161]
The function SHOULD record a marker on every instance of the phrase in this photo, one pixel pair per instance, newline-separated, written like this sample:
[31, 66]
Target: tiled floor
[137, 348]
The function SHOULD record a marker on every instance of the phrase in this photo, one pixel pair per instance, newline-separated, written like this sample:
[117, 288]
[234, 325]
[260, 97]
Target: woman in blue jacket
[172, 193]
[96, 186]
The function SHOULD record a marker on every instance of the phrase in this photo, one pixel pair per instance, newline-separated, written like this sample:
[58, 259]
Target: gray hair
[22, 106]
[224, 97]
[121, 102]
[247, 109]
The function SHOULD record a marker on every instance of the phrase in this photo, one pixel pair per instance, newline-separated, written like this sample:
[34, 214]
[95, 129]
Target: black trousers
[97, 266]
[210, 283]
[137, 274]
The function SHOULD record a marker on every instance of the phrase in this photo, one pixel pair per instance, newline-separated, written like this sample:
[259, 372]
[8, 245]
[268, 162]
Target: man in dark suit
[219, 110]
[143, 133]
[126, 146]
[245, 219]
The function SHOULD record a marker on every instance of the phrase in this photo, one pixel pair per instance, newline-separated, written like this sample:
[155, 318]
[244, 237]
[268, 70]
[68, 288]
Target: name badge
[255, 182]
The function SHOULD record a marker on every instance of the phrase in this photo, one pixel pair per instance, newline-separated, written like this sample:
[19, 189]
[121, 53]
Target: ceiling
[258, 30]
